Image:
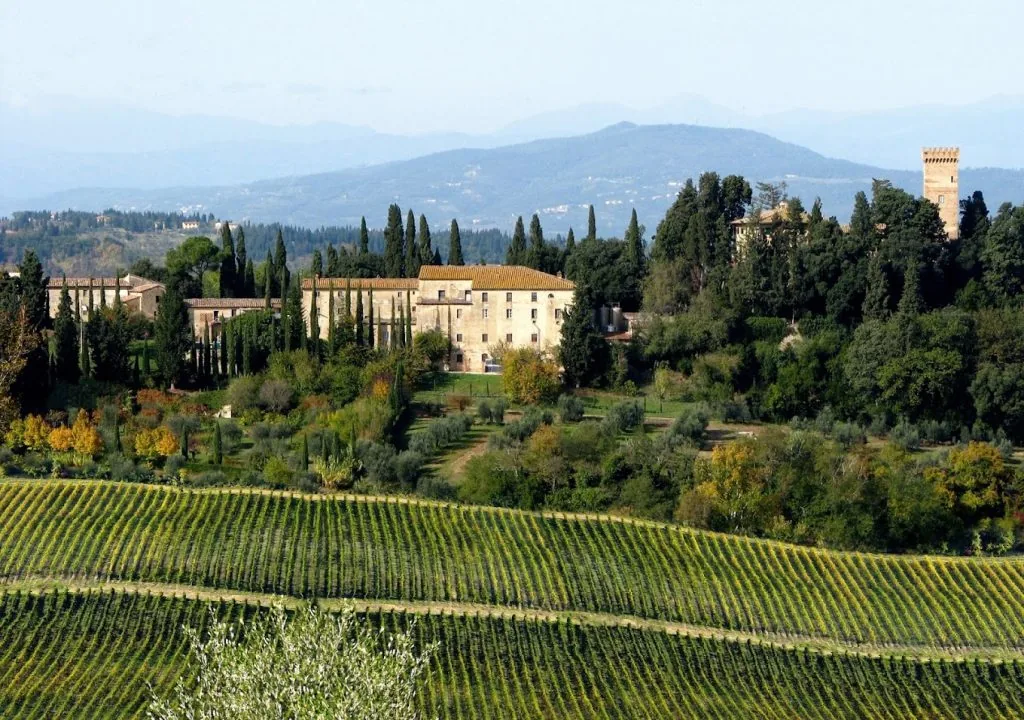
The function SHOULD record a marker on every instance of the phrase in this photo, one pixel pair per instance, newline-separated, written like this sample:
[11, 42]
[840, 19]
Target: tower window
[942, 199]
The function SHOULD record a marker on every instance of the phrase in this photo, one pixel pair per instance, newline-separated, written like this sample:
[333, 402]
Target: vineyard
[95, 655]
[247, 541]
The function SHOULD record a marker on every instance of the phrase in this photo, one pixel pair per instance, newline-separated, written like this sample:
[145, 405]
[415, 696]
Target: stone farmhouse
[476, 306]
[211, 312]
[138, 294]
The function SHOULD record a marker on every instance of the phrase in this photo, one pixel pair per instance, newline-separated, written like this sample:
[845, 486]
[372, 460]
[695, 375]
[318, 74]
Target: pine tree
[242, 288]
[171, 336]
[535, 256]
[394, 248]
[455, 245]
[412, 250]
[65, 340]
[516, 254]
[218, 445]
[591, 225]
[426, 251]
[228, 262]
[359, 317]
[364, 237]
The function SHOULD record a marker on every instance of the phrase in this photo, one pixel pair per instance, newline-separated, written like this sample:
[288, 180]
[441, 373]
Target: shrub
[529, 377]
[436, 488]
[768, 329]
[276, 396]
[570, 408]
[440, 434]
[277, 472]
[243, 394]
[407, 468]
[483, 412]
[498, 408]
[691, 426]
[848, 434]
[519, 431]
[379, 462]
[459, 401]
[624, 416]
[905, 435]
[669, 384]
[158, 442]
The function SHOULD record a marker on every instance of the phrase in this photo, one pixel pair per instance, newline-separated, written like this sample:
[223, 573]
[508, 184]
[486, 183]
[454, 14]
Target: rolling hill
[618, 168]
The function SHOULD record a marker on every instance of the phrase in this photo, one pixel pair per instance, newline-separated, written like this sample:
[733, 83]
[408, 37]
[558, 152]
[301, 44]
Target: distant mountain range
[617, 168]
[64, 144]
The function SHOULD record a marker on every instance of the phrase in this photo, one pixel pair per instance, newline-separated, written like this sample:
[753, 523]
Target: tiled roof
[362, 283]
[232, 303]
[497, 277]
[128, 281]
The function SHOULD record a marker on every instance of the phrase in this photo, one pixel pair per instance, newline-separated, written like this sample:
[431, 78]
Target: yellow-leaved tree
[86, 437]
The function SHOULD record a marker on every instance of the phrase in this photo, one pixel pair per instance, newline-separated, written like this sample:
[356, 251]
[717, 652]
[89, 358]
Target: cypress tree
[359, 316]
[635, 245]
[570, 242]
[412, 250]
[296, 319]
[392, 339]
[250, 279]
[222, 351]
[305, 452]
[228, 262]
[171, 336]
[65, 340]
[516, 254]
[535, 256]
[228, 343]
[910, 301]
[90, 307]
[332, 336]
[208, 369]
[348, 297]
[437, 257]
[146, 368]
[591, 225]
[455, 245]
[314, 323]
[34, 295]
[242, 287]
[117, 434]
[401, 326]
[317, 265]
[371, 338]
[246, 354]
[426, 251]
[333, 262]
[280, 255]
[286, 330]
[84, 361]
[218, 445]
[394, 248]
[364, 237]
[184, 442]
[78, 306]
[408, 319]
[103, 295]
[268, 286]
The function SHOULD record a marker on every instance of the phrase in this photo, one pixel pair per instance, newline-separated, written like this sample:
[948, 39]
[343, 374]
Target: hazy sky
[475, 65]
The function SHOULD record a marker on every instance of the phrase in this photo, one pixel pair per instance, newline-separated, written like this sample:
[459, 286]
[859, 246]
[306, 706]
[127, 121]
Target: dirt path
[826, 646]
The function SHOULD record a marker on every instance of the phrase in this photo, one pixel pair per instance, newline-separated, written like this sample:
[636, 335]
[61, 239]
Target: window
[483, 358]
[533, 338]
[508, 337]
[440, 294]
[508, 297]
[216, 314]
[485, 313]
[458, 313]
[558, 313]
[483, 296]
[483, 338]
[458, 337]
[942, 200]
[469, 296]
[458, 358]
[533, 297]
[508, 314]
[533, 313]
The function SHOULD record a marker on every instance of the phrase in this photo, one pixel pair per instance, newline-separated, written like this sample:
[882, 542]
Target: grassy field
[306, 546]
[96, 655]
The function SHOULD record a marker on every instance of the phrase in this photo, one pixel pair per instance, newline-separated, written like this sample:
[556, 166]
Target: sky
[475, 65]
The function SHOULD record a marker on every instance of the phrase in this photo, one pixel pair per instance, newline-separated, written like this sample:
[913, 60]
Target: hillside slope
[616, 169]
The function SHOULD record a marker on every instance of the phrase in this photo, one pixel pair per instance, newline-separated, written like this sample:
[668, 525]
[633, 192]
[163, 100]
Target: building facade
[137, 294]
[210, 313]
[942, 185]
[477, 306]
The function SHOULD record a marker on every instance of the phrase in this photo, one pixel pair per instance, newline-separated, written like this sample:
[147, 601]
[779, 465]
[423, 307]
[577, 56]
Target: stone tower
[942, 185]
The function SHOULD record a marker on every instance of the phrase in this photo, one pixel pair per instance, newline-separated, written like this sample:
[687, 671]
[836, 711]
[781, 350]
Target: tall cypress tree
[426, 251]
[364, 237]
[65, 340]
[317, 265]
[314, 323]
[516, 254]
[635, 245]
[455, 245]
[412, 250]
[250, 279]
[228, 262]
[570, 242]
[333, 262]
[32, 285]
[394, 248]
[218, 445]
[535, 256]
[296, 319]
[359, 316]
[280, 258]
[408, 319]
[591, 225]
[103, 294]
[172, 336]
[392, 337]
[242, 289]
[371, 330]
[286, 321]
[84, 361]
[332, 335]
[268, 285]
[222, 351]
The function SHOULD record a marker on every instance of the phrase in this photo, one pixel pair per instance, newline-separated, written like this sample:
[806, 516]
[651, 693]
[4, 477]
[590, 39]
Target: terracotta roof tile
[363, 283]
[497, 277]
[232, 303]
